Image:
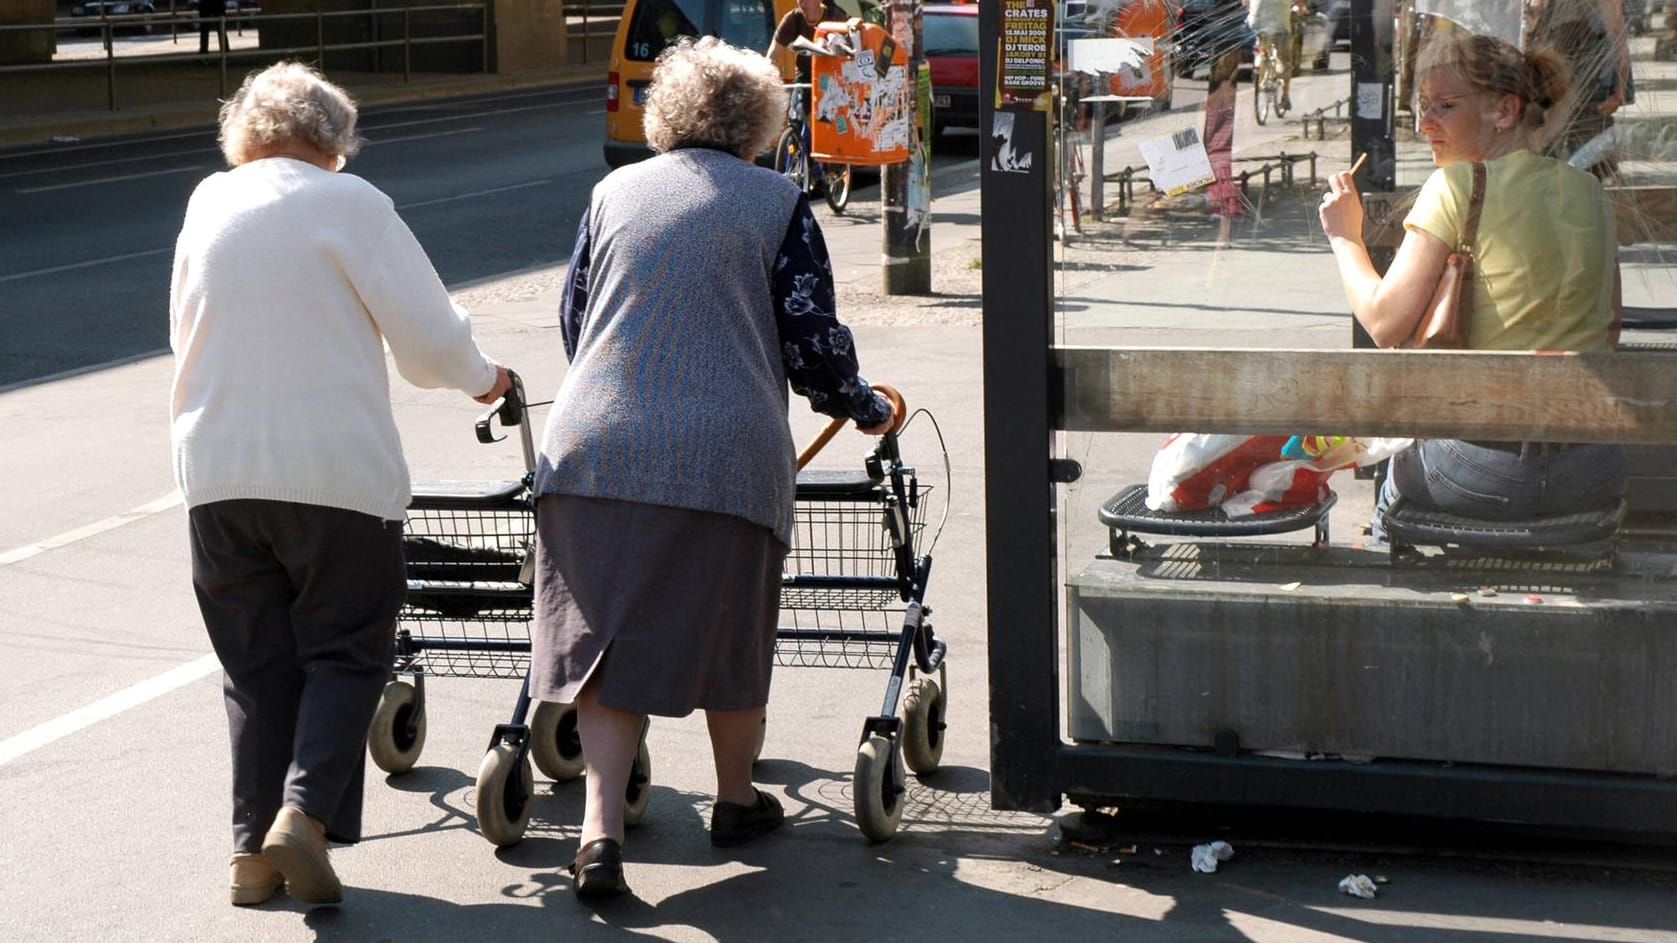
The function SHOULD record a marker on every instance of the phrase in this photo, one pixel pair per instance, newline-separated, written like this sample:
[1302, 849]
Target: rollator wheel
[923, 726]
[640, 787]
[554, 743]
[392, 747]
[504, 787]
[878, 787]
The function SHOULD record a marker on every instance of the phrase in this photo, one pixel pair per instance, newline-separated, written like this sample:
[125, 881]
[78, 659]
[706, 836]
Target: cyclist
[1273, 20]
[798, 22]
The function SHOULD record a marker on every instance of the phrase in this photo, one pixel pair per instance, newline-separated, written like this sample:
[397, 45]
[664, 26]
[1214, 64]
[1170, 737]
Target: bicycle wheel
[1263, 93]
[838, 186]
[790, 159]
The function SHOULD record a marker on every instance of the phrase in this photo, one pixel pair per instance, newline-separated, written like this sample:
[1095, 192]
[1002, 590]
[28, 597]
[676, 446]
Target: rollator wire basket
[845, 586]
[853, 595]
[468, 546]
[849, 577]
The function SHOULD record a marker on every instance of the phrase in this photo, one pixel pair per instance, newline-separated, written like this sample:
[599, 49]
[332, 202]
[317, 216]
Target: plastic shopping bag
[1194, 470]
[1246, 475]
[1310, 460]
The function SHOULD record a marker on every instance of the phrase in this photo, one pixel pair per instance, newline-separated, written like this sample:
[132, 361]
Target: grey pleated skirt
[671, 609]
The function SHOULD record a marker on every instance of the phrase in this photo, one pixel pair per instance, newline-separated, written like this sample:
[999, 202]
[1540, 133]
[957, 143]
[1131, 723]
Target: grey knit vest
[676, 394]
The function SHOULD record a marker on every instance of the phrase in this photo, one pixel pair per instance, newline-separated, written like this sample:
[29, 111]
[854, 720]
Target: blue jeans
[1493, 484]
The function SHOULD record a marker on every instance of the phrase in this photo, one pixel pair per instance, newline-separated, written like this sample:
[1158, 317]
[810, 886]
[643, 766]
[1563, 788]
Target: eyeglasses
[1439, 108]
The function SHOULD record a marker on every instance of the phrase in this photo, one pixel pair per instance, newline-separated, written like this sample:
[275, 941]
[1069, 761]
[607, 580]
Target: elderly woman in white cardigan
[290, 279]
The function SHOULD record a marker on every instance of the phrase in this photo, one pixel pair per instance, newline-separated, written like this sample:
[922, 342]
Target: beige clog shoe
[296, 845]
[252, 879]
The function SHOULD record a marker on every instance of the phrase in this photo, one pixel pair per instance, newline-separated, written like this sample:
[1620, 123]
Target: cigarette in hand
[1359, 164]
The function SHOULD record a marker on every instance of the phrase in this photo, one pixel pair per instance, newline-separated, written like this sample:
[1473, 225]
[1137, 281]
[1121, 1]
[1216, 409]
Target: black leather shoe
[734, 824]
[597, 871]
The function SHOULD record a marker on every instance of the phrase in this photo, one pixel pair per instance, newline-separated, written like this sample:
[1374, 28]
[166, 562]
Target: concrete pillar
[18, 47]
[528, 35]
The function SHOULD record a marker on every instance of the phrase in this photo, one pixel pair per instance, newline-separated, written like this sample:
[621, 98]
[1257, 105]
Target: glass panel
[1188, 215]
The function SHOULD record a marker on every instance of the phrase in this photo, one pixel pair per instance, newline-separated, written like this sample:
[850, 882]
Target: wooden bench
[1589, 533]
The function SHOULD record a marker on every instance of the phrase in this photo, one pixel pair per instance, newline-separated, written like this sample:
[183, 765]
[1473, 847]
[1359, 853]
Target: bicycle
[791, 155]
[1068, 174]
[1266, 81]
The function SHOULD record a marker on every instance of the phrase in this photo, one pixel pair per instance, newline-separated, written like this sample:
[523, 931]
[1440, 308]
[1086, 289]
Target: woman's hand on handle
[899, 411]
[502, 384]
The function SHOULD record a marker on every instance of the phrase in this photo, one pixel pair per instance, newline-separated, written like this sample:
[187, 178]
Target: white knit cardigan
[288, 282]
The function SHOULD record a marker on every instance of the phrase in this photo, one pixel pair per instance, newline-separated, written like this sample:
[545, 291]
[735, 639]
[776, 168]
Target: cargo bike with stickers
[468, 547]
[853, 595]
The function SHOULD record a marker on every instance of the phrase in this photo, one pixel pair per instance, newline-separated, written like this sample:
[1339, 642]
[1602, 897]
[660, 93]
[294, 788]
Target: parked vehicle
[1636, 16]
[646, 27]
[1206, 29]
[949, 34]
[115, 8]
[1337, 16]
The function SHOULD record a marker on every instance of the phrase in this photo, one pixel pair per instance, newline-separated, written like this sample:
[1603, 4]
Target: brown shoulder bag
[1444, 324]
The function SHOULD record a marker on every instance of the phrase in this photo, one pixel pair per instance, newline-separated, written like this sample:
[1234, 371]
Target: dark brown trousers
[300, 602]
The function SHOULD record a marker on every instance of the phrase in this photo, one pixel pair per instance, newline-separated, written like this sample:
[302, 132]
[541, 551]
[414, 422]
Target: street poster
[1026, 56]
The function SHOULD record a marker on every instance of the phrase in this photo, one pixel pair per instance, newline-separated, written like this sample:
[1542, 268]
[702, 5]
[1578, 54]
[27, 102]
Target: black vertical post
[1020, 549]
[908, 249]
[1371, 115]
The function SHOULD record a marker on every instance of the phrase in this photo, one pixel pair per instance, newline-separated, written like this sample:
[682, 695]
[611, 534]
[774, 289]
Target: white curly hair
[711, 94]
[287, 103]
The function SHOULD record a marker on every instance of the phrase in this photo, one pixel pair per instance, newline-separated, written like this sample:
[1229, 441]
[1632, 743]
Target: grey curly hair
[708, 93]
[287, 102]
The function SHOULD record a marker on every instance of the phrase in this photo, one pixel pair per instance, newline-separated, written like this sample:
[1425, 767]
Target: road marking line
[469, 116]
[423, 137]
[468, 196]
[105, 708]
[19, 554]
[88, 264]
[196, 168]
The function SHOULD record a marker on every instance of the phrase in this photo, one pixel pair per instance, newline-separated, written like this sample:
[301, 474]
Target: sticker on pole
[1178, 162]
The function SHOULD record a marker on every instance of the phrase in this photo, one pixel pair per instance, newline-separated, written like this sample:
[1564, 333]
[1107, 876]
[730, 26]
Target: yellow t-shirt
[1546, 253]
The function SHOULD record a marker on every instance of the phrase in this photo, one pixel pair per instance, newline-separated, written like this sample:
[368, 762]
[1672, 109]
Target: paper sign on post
[1178, 162]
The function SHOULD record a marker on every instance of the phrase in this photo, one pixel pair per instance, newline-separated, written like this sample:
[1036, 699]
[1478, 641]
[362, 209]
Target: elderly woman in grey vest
[699, 290]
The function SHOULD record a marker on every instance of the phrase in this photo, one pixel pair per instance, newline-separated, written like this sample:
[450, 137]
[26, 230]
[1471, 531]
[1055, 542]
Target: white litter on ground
[1357, 885]
[1207, 857]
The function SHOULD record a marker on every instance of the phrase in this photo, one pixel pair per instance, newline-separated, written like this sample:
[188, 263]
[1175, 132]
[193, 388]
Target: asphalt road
[490, 185]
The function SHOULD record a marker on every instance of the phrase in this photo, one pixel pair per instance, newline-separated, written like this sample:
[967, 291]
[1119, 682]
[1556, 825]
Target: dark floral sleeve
[574, 300]
[818, 352]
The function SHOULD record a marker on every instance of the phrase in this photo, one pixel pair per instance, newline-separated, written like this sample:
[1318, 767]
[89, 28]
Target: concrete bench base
[1345, 654]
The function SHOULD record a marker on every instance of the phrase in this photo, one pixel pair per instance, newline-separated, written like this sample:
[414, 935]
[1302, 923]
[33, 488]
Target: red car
[949, 34]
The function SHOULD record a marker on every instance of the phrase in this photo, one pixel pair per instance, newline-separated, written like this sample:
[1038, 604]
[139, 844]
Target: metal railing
[109, 25]
[1268, 165]
[1319, 116]
[593, 17]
